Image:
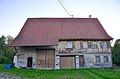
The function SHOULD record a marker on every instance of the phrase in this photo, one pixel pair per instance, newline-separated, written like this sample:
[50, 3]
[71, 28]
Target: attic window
[69, 44]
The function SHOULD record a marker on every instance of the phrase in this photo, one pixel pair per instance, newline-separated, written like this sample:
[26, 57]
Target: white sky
[13, 13]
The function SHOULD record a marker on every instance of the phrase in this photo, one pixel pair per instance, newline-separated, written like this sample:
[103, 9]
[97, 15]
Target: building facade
[59, 43]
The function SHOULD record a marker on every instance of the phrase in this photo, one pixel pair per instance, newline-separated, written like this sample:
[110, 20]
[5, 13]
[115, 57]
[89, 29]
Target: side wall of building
[94, 53]
[23, 53]
[21, 58]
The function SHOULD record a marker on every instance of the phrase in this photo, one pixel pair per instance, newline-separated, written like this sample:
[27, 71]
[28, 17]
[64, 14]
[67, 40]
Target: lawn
[86, 73]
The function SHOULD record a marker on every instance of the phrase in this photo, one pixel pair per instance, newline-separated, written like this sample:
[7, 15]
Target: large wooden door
[67, 62]
[45, 59]
[50, 58]
[81, 61]
[41, 59]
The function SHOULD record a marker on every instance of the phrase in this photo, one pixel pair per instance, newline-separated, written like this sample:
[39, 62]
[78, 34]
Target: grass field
[86, 73]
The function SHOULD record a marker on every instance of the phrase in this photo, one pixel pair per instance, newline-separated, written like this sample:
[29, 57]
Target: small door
[81, 61]
[29, 61]
[67, 62]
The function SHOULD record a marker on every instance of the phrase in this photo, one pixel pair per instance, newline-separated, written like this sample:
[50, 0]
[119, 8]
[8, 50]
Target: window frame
[89, 43]
[103, 45]
[106, 59]
[97, 59]
[69, 44]
[81, 45]
[94, 45]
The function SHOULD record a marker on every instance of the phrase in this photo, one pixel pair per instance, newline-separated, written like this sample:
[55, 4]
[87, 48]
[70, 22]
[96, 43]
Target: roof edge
[60, 18]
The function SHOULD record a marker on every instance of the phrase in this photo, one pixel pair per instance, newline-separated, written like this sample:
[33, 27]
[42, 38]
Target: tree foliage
[6, 52]
[116, 52]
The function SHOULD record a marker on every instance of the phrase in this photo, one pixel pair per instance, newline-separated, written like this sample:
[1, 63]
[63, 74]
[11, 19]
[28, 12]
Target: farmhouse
[58, 43]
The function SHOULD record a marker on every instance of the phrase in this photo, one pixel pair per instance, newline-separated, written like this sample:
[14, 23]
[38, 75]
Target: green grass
[86, 73]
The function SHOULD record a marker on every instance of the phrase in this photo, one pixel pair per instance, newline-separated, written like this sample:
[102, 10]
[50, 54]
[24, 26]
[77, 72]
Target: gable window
[106, 59]
[97, 59]
[69, 44]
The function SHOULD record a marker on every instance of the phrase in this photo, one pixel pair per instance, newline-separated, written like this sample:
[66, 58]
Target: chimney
[90, 16]
[72, 16]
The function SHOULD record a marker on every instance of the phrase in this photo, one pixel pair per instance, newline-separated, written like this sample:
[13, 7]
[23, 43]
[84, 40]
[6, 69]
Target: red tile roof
[48, 31]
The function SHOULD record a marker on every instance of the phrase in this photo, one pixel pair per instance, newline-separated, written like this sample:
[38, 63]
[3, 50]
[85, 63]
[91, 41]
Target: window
[106, 59]
[94, 45]
[97, 59]
[108, 44]
[103, 45]
[89, 44]
[85, 45]
[69, 44]
[81, 45]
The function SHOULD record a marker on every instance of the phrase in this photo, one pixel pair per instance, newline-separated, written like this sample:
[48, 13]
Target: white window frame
[85, 45]
[69, 44]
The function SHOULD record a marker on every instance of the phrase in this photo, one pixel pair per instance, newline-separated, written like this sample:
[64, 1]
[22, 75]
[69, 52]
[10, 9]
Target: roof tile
[48, 31]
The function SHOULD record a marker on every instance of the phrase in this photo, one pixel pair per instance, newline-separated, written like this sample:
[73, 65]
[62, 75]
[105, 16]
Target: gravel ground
[6, 76]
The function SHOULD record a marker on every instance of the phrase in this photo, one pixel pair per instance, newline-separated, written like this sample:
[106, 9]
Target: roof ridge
[59, 18]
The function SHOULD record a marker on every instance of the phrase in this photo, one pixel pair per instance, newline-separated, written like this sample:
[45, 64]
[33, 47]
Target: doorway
[29, 61]
[46, 58]
[67, 62]
[81, 61]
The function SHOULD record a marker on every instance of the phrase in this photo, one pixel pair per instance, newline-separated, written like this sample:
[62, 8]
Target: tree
[116, 52]
[9, 39]
[2, 48]
[6, 52]
[2, 45]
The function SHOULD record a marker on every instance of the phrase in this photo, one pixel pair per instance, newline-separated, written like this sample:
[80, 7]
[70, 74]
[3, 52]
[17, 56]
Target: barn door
[81, 61]
[50, 58]
[41, 59]
[67, 62]
[45, 59]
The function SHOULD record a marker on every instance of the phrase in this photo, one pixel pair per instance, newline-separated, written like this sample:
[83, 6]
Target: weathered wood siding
[45, 59]
[67, 62]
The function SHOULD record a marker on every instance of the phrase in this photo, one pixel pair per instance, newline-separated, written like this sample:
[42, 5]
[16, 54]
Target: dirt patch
[6, 76]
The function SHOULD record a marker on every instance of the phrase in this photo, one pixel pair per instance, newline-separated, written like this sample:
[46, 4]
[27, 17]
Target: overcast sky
[13, 13]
